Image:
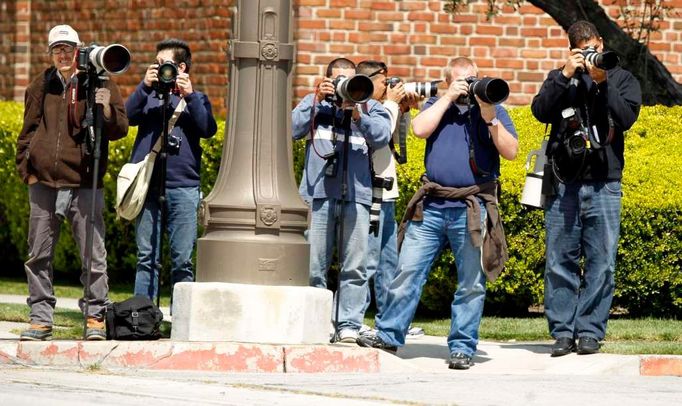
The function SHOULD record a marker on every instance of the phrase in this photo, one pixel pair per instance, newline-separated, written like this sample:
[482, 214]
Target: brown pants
[43, 234]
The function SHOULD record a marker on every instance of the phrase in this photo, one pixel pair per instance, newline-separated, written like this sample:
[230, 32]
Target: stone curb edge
[203, 356]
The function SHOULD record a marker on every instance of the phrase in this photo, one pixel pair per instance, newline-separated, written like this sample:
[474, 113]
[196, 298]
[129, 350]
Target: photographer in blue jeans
[183, 167]
[456, 205]
[590, 103]
[319, 119]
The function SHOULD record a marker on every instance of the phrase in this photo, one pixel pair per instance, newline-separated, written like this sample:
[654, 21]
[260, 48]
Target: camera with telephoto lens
[574, 134]
[167, 74]
[357, 89]
[113, 59]
[379, 184]
[489, 90]
[424, 89]
[602, 60]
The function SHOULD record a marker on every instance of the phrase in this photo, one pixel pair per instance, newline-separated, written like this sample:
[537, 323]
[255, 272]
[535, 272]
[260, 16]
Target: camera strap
[171, 124]
[403, 125]
[478, 171]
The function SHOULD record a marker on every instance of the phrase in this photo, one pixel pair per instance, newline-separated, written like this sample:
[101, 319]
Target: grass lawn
[117, 293]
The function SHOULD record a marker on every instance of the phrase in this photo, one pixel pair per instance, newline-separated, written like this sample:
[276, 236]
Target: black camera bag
[136, 318]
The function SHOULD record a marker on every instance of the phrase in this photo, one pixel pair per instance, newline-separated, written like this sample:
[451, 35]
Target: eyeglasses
[382, 71]
[61, 50]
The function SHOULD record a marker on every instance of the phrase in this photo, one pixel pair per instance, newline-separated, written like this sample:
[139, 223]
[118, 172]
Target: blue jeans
[322, 235]
[382, 257]
[581, 220]
[181, 224]
[423, 243]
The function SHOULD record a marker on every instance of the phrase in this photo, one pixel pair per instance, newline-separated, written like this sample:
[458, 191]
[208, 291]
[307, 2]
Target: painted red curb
[654, 365]
[329, 358]
[202, 356]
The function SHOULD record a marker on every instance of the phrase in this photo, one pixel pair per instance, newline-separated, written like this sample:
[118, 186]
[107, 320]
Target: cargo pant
[43, 234]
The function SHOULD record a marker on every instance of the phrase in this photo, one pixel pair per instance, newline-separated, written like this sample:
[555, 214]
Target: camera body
[357, 89]
[113, 59]
[602, 60]
[167, 74]
[489, 90]
[173, 144]
[382, 183]
[574, 135]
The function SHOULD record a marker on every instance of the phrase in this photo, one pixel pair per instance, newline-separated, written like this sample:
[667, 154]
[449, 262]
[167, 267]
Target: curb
[660, 365]
[200, 356]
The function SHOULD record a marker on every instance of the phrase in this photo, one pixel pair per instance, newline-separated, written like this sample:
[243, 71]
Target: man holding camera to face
[589, 102]
[457, 205]
[190, 116]
[382, 255]
[55, 160]
[340, 127]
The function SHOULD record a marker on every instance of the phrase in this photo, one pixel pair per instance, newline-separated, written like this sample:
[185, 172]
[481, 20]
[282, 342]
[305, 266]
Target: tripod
[93, 122]
[163, 160]
[345, 125]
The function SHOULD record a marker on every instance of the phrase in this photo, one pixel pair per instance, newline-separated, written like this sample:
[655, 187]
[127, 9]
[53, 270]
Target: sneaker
[348, 335]
[366, 330]
[460, 360]
[37, 332]
[376, 342]
[95, 330]
[415, 332]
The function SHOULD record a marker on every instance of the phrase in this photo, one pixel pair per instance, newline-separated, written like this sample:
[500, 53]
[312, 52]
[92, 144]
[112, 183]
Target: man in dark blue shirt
[463, 145]
[183, 165]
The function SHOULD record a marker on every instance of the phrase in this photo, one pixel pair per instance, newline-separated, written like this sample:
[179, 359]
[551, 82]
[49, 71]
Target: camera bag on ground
[133, 180]
[136, 318]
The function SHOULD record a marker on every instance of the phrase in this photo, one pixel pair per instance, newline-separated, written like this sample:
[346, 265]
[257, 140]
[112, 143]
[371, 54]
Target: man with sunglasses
[54, 161]
[382, 256]
[464, 139]
[589, 107]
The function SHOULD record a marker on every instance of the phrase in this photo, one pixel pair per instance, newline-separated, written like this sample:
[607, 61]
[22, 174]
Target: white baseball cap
[62, 34]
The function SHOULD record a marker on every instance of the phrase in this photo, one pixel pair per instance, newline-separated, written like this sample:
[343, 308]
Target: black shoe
[374, 341]
[563, 346]
[459, 360]
[588, 345]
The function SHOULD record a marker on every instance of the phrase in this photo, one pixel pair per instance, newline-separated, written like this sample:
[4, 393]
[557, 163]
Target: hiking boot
[347, 335]
[95, 330]
[36, 332]
[460, 360]
[373, 341]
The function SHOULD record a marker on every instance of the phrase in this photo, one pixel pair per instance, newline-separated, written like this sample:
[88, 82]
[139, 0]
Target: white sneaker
[348, 335]
[415, 332]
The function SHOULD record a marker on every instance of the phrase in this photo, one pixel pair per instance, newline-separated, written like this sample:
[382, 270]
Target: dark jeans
[582, 220]
[181, 224]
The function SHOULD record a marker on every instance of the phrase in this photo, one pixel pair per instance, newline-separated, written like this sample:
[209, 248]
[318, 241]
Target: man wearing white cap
[54, 161]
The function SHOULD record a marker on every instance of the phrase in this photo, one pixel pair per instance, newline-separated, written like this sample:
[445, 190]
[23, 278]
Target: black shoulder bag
[136, 318]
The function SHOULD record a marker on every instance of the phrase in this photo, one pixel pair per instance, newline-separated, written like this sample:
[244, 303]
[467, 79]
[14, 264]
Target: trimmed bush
[648, 272]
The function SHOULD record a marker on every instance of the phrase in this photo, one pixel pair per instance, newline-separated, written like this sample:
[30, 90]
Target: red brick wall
[139, 25]
[415, 38]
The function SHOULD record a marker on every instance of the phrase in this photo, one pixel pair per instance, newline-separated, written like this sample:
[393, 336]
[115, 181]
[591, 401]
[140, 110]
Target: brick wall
[415, 38]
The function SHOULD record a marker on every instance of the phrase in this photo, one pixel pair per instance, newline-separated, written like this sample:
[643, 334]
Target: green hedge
[648, 274]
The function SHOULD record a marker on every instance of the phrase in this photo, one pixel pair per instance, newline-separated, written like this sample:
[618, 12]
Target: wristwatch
[493, 122]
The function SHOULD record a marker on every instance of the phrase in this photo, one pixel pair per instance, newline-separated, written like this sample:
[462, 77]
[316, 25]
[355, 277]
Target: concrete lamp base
[216, 311]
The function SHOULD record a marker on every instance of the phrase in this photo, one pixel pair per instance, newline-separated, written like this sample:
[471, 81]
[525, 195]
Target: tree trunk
[658, 85]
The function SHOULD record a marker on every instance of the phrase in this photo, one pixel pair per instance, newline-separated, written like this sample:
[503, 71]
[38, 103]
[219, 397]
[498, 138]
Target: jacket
[372, 131]
[619, 98]
[492, 240]
[50, 146]
[196, 121]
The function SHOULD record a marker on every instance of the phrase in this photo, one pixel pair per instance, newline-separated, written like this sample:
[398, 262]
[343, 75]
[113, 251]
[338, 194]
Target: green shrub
[648, 272]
